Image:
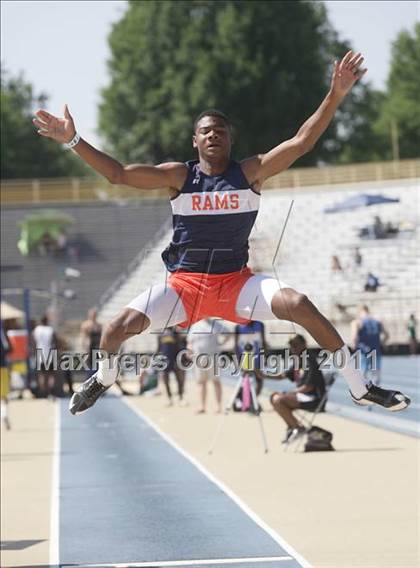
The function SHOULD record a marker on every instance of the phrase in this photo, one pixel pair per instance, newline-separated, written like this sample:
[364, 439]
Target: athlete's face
[297, 346]
[212, 138]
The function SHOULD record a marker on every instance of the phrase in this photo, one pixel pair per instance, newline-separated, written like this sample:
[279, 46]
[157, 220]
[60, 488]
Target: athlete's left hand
[346, 73]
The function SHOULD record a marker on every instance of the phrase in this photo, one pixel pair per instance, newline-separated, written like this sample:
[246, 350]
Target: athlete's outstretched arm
[62, 130]
[345, 74]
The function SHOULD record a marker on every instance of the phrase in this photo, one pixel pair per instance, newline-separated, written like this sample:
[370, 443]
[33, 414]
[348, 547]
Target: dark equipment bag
[318, 440]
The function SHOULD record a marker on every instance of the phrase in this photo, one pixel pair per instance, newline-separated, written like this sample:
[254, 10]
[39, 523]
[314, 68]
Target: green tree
[401, 109]
[24, 154]
[360, 141]
[266, 64]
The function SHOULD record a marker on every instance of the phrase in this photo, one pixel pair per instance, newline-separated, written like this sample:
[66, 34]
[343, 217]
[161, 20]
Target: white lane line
[201, 562]
[287, 547]
[55, 497]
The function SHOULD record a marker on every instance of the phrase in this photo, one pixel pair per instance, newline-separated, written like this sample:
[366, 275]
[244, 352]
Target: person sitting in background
[310, 388]
[372, 283]
[379, 230]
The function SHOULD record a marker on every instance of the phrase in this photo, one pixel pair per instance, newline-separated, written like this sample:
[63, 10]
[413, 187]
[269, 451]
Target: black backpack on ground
[318, 440]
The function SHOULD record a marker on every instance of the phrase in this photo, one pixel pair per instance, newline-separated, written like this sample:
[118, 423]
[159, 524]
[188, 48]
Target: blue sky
[62, 46]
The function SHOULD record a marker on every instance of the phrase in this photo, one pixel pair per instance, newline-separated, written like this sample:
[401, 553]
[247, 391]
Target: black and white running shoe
[86, 397]
[287, 435]
[390, 399]
[295, 434]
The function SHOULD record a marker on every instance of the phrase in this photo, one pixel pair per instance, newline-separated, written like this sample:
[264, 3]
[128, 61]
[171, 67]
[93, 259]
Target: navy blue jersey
[369, 335]
[212, 219]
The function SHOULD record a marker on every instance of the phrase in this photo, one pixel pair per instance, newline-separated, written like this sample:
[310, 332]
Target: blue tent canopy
[361, 200]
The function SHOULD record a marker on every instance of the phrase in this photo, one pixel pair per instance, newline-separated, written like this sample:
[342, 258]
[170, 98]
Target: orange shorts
[209, 295]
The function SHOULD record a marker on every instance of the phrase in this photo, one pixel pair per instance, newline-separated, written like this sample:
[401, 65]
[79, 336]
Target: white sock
[108, 371]
[353, 376]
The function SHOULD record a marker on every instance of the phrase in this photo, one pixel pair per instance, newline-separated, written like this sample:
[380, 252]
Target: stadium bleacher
[312, 237]
[107, 236]
[120, 244]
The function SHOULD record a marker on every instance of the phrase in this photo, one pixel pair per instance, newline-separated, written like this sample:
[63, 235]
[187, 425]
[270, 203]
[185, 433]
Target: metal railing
[75, 190]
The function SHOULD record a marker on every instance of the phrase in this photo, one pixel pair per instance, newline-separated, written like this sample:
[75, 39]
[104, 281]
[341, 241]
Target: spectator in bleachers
[372, 283]
[335, 264]
[412, 334]
[62, 242]
[343, 313]
[47, 244]
[369, 334]
[391, 230]
[379, 230]
[357, 258]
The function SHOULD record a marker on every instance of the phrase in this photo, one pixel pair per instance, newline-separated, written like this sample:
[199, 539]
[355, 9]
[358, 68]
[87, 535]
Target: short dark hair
[212, 112]
[297, 338]
[44, 319]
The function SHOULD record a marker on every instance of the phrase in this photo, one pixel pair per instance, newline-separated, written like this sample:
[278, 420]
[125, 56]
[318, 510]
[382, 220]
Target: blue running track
[127, 497]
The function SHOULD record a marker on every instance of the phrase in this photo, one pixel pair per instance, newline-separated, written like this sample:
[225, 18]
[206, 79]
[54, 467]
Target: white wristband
[75, 140]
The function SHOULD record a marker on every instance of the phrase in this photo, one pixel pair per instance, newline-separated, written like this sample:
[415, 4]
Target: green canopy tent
[36, 225]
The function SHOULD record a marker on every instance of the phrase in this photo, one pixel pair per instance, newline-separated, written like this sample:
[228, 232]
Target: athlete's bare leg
[263, 298]
[287, 304]
[127, 323]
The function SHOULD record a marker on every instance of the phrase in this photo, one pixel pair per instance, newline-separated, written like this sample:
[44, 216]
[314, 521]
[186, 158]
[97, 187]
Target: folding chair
[307, 422]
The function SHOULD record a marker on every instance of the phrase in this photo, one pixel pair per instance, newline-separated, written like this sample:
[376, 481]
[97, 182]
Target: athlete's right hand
[61, 130]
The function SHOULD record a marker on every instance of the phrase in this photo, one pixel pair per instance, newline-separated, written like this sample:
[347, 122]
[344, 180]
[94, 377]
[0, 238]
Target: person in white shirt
[45, 341]
[206, 337]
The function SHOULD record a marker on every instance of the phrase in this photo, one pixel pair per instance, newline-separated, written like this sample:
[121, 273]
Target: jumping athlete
[215, 202]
